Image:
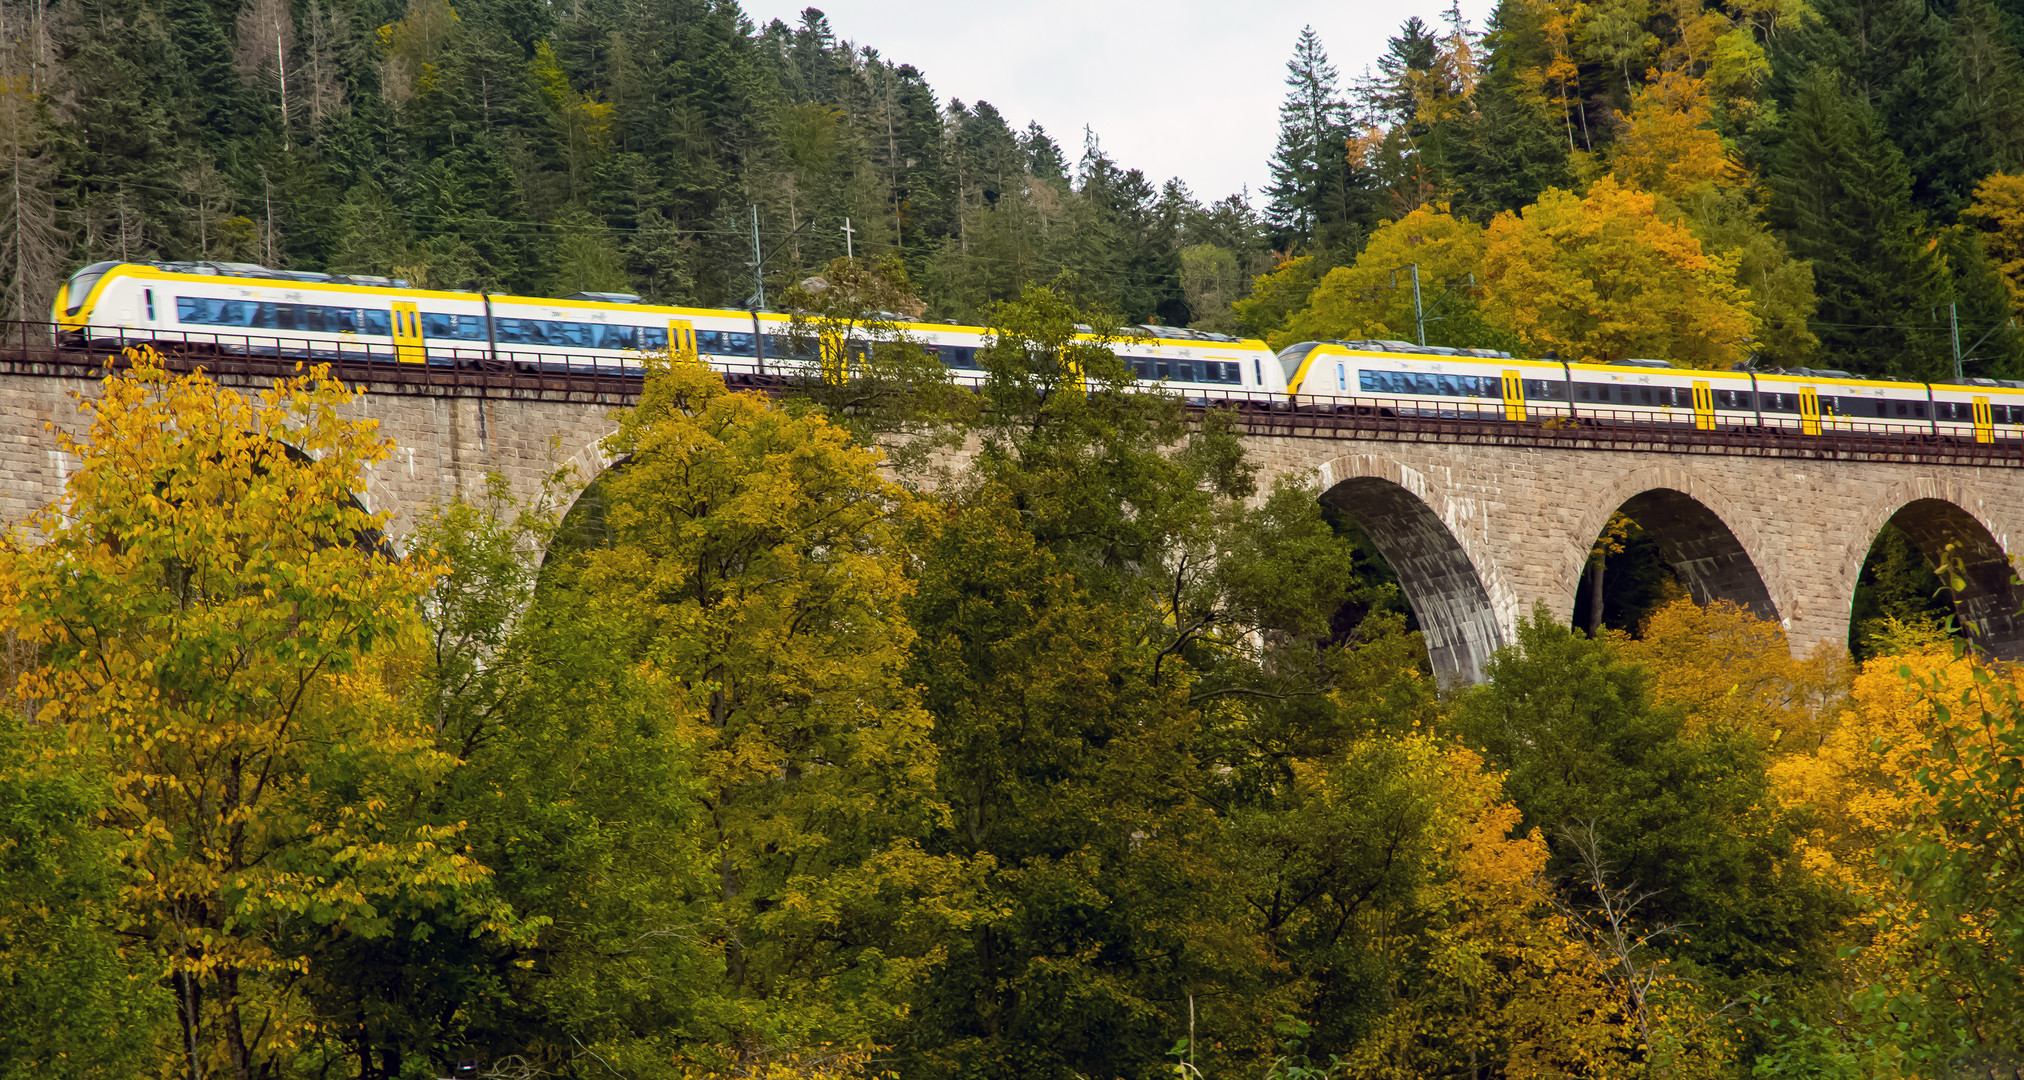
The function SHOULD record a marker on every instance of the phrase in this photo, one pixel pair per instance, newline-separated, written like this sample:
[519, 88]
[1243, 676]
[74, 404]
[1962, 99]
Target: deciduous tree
[218, 632]
[1607, 277]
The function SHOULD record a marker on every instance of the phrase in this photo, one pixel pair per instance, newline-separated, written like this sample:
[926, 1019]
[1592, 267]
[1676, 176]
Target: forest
[782, 750]
[790, 749]
[1784, 183]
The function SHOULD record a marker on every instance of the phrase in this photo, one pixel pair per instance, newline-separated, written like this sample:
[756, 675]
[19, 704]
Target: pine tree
[1310, 171]
[1407, 62]
[32, 244]
[1990, 342]
[1903, 62]
[1843, 195]
[1994, 81]
[1506, 151]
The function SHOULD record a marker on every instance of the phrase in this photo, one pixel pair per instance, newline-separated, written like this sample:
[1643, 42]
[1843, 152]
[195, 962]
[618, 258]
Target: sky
[1178, 88]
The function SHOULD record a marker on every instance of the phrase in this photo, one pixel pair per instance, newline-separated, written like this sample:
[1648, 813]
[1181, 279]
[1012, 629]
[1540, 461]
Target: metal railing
[462, 370]
[1489, 422]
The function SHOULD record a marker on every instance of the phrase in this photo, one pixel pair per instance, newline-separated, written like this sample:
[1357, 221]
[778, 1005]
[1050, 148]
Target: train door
[682, 340]
[835, 359]
[1514, 396]
[408, 348]
[1704, 405]
[1985, 427]
[1809, 410]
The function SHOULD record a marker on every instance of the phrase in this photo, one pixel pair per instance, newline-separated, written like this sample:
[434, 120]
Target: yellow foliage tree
[1998, 211]
[1854, 784]
[214, 626]
[1732, 673]
[755, 575]
[1495, 974]
[1604, 278]
[1277, 295]
[1374, 298]
[1913, 769]
[1667, 143]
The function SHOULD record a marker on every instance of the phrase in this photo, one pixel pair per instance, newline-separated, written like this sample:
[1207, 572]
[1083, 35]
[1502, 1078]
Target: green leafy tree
[754, 580]
[73, 1001]
[1684, 820]
[216, 627]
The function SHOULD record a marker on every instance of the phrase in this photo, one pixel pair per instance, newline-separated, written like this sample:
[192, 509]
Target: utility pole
[758, 262]
[1419, 315]
[268, 185]
[1954, 324]
[848, 234]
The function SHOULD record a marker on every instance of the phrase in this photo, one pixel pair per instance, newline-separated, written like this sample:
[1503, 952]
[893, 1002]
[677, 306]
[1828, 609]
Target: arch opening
[1985, 608]
[1436, 575]
[1674, 536]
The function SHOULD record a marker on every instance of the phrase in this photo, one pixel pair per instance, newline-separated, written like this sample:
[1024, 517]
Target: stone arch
[1702, 536]
[362, 499]
[1936, 513]
[1418, 532]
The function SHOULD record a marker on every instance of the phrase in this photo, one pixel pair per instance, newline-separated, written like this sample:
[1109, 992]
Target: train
[247, 309]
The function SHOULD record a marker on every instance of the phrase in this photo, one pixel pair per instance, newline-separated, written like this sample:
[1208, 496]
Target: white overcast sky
[1187, 88]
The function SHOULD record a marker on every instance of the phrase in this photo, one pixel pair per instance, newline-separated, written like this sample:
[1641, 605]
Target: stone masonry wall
[445, 445]
[1478, 534]
[1526, 518]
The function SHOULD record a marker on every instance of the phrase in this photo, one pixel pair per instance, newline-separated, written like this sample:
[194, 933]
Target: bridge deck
[604, 379]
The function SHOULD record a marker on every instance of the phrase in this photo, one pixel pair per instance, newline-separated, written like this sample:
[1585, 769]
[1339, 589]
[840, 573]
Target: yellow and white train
[1809, 401]
[240, 308]
[244, 309]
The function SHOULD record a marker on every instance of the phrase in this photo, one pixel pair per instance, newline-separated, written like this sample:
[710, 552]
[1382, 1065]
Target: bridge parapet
[1481, 517]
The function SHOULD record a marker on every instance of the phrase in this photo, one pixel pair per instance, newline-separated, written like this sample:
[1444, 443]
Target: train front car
[231, 308]
[106, 304]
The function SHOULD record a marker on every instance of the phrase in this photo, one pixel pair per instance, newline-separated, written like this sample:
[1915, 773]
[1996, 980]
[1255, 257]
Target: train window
[1258, 371]
[556, 333]
[1423, 382]
[960, 356]
[81, 284]
[254, 315]
[1733, 399]
[724, 342]
[1545, 389]
[1341, 378]
[1587, 392]
[1785, 403]
[461, 327]
[149, 294]
[1919, 410]
[781, 346]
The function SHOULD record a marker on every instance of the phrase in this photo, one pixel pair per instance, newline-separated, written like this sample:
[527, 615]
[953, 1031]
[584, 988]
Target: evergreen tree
[1310, 197]
[1509, 147]
[1407, 63]
[1991, 345]
[1843, 195]
[1900, 60]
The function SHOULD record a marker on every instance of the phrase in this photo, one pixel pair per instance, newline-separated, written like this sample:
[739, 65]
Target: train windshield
[81, 283]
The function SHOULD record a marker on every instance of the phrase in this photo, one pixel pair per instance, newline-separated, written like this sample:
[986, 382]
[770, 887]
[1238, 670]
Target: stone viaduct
[1480, 526]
